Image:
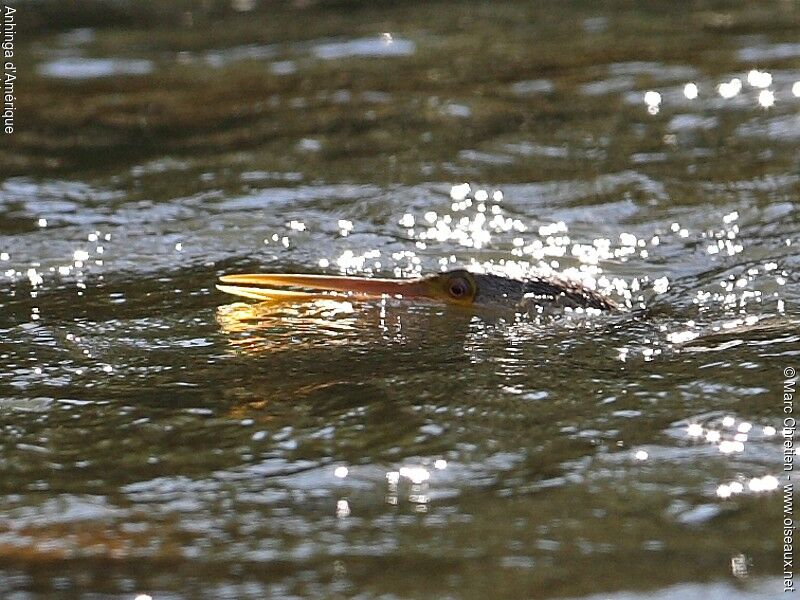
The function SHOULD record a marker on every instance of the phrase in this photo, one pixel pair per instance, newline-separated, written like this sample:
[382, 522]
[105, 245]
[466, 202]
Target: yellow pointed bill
[280, 287]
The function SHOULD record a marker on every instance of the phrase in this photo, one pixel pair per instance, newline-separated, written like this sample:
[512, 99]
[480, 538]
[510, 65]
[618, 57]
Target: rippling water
[161, 438]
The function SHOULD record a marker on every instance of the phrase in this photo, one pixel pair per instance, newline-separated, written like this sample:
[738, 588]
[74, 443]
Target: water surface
[162, 438]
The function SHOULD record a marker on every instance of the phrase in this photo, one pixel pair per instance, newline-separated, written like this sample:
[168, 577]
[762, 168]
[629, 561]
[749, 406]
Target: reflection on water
[88, 68]
[386, 45]
[267, 327]
[160, 441]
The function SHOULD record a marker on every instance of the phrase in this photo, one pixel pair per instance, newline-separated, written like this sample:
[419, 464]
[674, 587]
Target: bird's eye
[459, 287]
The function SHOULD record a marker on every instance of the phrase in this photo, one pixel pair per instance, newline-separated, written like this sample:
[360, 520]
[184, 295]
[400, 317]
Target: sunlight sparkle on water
[724, 491]
[407, 220]
[653, 101]
[34, 277]
[730, 88]
[731, 446]
[766, 98]
[345, 227]
[759, 79]
[342, 509]
[681, 337]
[474, 231]
[459, 192]
[713, 436]
[690, 91]
[694, 430]
[349, 262]
[763, 484]
[767, 483]
[475, 223]
[661, 285]
[415, 474]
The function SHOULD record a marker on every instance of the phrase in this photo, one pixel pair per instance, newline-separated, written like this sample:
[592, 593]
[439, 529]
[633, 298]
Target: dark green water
[157, 438]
